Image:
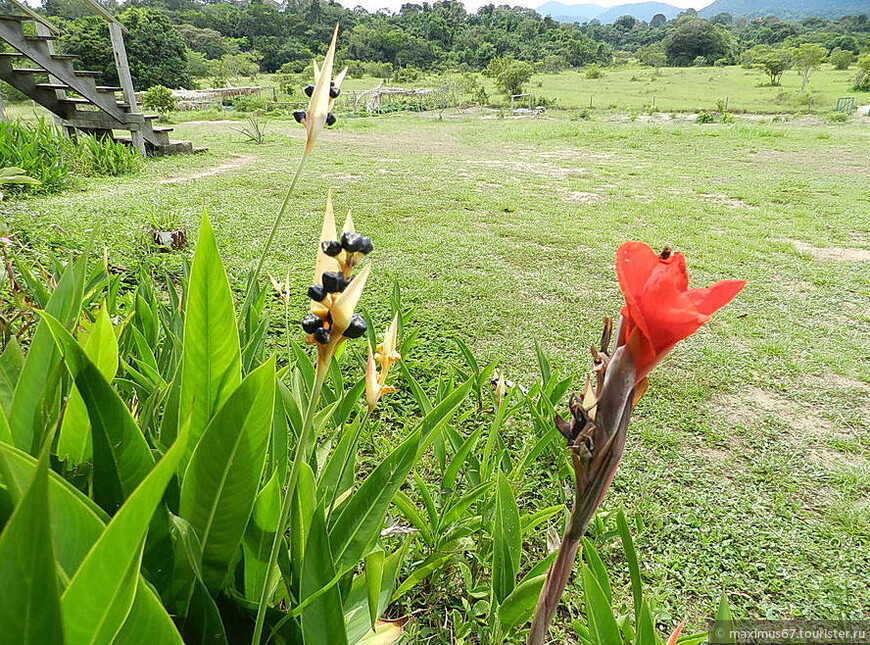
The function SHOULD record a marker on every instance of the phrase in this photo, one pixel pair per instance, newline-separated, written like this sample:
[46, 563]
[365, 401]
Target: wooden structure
[525, 111]
[375, 100]
[73, 95]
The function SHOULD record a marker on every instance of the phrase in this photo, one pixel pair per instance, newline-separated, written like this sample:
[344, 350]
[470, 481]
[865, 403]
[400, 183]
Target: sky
[472, 5]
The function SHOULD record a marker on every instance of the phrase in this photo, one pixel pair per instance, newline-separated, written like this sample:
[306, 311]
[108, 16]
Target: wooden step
[36, 39]
[29, 70]
[64, 57]
[161, 128]
[16, 18]
[87, 72]
[11, 55]
[53, 86]
[108, 88]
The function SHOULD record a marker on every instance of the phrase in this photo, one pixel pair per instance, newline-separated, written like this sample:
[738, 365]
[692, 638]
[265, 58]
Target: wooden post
[123, 67]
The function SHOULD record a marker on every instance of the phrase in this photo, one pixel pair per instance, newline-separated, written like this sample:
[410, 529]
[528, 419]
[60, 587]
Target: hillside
[586, 12]
[788, 9]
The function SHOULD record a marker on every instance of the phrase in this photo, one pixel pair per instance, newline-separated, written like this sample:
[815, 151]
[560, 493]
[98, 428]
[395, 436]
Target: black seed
[334, 92]
[311, 323]
[309, 90]
[350, 242]
[322, 336]
[330, 119]
[333, 282]
[316, 292]
[366, 246]
[331, 248]
[356, 328]
[299, 115]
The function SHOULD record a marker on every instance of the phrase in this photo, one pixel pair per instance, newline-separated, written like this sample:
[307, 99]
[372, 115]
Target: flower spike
[387, 355]
[323, 94]
[336, 291]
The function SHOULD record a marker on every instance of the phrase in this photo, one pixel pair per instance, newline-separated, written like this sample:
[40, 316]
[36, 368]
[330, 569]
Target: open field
[747, 467]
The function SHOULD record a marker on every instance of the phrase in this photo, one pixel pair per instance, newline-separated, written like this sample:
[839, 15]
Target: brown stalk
[596, 450]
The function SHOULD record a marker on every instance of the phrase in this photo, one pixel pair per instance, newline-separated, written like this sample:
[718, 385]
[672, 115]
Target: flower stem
[280, 216]
[290, 488]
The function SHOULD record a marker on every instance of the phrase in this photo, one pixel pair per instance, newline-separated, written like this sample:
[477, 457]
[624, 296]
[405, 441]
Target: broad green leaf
[633, 565]
[122, 457]
[432, 564]
[100, 595]
[221, 481]
[598, 569]
[337, 475]
[101, 347]
[459, 458]
[211, 364]
[5, 430]
[602, 623]
[543, 364]
[34, 401]
[76, 524]
[374, 576]
[362, 517]
[723, 615]
[507, 543]
[517, 608]
[259, 535]
[357, 604]
[323, 620]
[30, 608]
[11, 362]
[147, 616]
[441, 414]
[645, 633]
[301, 516]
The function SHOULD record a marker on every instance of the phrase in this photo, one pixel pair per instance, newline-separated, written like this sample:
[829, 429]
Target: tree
[774, 63]
[510, 75]
[653, 55]
[695, 37]
[841, 58]
[862, 81]
[658, 20]
[808, 57]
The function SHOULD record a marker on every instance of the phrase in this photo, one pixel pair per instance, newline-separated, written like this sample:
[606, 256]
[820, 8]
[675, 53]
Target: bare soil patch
[238, 161]
[724, 200]
[833, 253]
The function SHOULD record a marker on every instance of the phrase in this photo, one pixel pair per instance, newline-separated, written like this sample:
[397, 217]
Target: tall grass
[45, 153]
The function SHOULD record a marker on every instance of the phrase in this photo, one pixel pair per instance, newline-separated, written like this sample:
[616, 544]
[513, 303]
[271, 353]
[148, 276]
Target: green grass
[747, 459]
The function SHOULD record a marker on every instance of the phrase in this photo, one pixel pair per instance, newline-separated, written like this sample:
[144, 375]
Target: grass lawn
[746, 468]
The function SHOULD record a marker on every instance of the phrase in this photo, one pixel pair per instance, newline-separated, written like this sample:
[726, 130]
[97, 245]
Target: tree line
[172, 42]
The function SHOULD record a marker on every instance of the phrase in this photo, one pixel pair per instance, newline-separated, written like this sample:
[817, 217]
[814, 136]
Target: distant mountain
[570, 13]
[642, 11]
[586, 12]
[787, 9]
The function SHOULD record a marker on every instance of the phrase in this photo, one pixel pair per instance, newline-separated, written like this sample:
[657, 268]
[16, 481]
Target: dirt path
[237, 162]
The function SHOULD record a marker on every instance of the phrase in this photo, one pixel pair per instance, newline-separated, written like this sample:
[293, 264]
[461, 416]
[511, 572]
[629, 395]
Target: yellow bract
[387, 355]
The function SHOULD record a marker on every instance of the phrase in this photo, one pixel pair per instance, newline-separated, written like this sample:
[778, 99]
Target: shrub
[407, 74]
[44, 153]
[594, 72]
[862, 80]
[159, 99]
[700, 61]
[248, 103]
[841, 58]
[706, 117]
[837, 117]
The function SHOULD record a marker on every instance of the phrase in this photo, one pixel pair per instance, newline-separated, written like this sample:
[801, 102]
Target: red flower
[660, 309]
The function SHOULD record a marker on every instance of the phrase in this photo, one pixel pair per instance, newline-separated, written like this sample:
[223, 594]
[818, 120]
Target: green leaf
[598, 569]
[357, 604]
[101, 593]
[374, 577]
[633, 565]
[362, 517]
[211, 364]
[723, 615]
[517, 608]
[259, 535]
[122, 458]
[34, 401]
[76, 524]
[101, 347]
[441, 414]
[543, 364]
[646, 631]
[221, 481]
[459, 458]
[147, 616]
[507, 543]
[30, 609]
[602, 623]
[11, 362]
[433, 563]
[323, 620]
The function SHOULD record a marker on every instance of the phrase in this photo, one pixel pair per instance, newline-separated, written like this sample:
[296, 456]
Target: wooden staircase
[47, 78]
